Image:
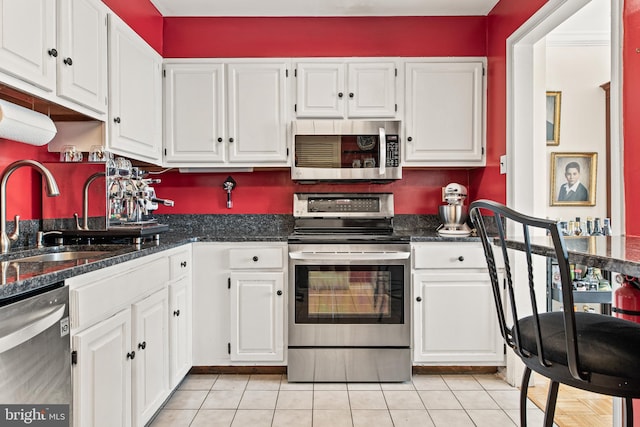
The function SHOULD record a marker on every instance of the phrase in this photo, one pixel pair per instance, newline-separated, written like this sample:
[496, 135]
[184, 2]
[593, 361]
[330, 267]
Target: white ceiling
[324, 7]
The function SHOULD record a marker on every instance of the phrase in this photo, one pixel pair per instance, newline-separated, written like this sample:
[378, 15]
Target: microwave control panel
[393, 151]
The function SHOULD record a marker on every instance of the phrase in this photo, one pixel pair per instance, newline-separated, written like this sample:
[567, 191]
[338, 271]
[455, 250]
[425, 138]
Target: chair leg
[524, 387]
[551, 404]
[628, 411]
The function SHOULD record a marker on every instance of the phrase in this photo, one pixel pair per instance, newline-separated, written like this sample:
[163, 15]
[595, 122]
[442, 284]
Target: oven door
[349, 295]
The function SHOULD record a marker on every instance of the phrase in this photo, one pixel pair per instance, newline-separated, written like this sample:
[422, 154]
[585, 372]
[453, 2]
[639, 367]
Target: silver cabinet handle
[357, 256]
[44, 319]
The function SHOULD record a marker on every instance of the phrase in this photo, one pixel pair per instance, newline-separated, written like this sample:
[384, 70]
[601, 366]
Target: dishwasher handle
[28, 326]
[352, 256]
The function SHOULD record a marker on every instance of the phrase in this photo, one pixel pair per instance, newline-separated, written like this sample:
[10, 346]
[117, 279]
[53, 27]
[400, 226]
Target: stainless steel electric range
[349, 291]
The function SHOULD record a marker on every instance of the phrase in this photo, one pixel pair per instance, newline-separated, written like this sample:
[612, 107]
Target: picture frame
[553, 117]
[577, 170]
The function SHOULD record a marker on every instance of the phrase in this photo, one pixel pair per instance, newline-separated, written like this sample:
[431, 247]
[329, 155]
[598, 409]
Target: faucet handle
[40, 238]
[16, 230]
[78, 226]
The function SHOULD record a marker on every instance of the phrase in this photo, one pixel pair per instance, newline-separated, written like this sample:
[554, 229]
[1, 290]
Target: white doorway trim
[527, 165]
[526, 161]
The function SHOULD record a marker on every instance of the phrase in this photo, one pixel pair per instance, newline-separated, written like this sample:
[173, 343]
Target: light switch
[503, 164]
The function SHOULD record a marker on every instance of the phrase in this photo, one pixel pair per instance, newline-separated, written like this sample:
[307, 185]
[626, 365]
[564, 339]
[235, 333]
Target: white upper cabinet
[28, 41]
[135, 86]
[257, 128]
[372, 89]
[61, 57]
[194, 114]
[349, 89]
[221, 114]
[82, 53]
[444, 120]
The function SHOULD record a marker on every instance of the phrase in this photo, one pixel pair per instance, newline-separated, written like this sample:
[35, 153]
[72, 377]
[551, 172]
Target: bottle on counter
[577, 227]
[606, 227]
[597, 228]
[589, 226]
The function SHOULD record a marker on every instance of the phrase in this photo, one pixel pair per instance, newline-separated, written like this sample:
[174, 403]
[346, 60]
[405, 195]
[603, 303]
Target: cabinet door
[257, 125]
[135, 105]
[82, 41]
[257, 316]
[210, 298]
[28, 41]
[455, 320]
[102, 375]
[372, 90]
[444, 114]
[151, 365]
[320, 90]
[194, 114]
[179, 330]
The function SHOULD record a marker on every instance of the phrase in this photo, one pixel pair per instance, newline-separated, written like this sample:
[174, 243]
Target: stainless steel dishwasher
[35, 359]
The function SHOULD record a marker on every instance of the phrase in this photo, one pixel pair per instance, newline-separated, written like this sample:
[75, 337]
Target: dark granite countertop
[619, 254]
[18, 278]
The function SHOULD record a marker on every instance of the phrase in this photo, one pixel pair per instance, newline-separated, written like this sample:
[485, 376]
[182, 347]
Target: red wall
[23, 186]
[304, 37]
[419, 192]
[143, 17]
[504, 19]
[631, 113]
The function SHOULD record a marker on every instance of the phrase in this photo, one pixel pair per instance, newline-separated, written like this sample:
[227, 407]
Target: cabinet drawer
[256, 257]
[103, 297]
[179, 264]
[449, 255]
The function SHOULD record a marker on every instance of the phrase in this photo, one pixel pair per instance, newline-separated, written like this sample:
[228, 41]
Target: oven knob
[255, 259]
[279, 292]
[419, 299]
[460, 258]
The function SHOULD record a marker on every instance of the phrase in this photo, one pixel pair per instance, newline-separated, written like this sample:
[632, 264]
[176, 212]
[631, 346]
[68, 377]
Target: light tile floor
[271, 401]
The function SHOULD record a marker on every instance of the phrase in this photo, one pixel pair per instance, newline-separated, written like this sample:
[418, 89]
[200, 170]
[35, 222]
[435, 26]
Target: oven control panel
[358, 204]
[379, 205]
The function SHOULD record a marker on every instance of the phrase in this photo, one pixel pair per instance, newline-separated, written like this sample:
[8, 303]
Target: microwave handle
[383, 151]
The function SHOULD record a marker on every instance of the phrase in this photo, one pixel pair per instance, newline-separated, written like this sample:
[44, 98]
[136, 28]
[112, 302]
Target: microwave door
[383, 151]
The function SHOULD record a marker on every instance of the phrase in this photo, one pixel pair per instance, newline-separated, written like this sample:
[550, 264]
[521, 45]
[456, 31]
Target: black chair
[589, 351]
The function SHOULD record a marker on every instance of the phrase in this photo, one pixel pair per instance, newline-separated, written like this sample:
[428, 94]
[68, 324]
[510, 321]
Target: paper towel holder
[23, 125]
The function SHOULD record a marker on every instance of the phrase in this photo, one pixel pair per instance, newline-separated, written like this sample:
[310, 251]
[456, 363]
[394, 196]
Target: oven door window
[348, 294]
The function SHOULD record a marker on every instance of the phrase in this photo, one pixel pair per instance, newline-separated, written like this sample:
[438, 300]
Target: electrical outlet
[503, 164]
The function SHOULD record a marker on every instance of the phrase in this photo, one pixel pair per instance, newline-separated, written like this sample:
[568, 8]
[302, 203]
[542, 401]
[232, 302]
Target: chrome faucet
[52, 190]
[85, 201]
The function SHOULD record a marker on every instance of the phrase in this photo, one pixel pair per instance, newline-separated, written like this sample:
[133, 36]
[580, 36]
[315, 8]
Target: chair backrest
[524, 227]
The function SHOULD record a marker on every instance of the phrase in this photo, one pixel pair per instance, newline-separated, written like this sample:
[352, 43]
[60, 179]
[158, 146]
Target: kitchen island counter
[620, 254]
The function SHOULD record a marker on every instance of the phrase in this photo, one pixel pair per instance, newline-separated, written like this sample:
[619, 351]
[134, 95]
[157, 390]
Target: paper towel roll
[23, 125]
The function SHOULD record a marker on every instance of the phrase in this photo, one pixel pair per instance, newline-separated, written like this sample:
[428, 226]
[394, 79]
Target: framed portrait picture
[573, 179]
[553, 118]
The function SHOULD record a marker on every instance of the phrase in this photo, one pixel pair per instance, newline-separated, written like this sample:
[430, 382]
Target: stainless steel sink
[62, 256]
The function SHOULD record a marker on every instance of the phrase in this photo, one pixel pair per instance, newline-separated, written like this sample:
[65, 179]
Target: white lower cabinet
[102, 374]
[122, 341]
[239, 296]
[257, 313]
[151, 363]
[455, 321]
[180, 317]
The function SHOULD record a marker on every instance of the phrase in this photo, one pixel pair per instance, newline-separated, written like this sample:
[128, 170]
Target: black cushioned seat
[601, 351]
[593, 352]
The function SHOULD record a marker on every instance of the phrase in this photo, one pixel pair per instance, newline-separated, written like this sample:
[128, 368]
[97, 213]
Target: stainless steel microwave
[346, 150]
